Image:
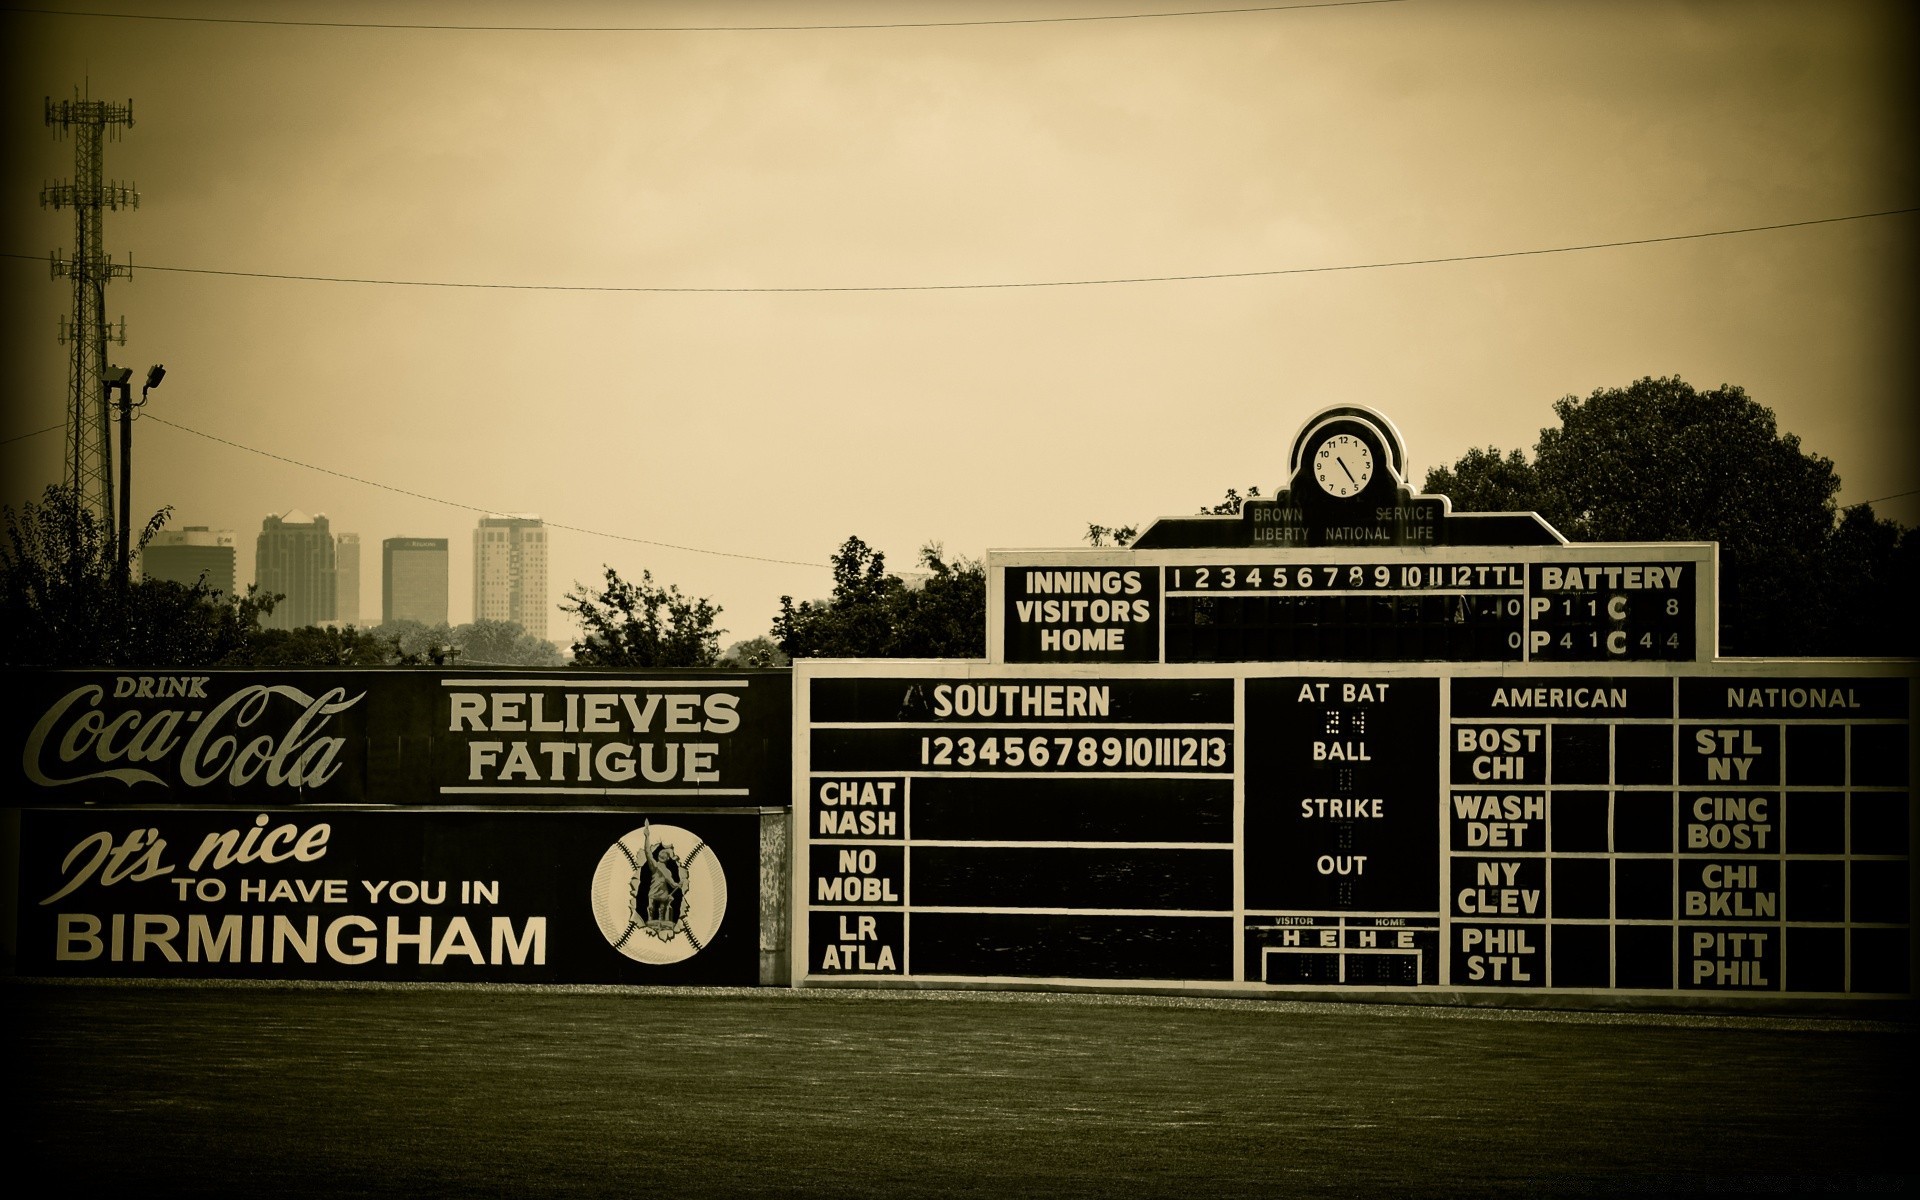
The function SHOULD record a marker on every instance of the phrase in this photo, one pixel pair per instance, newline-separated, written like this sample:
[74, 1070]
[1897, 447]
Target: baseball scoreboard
[1348, 740]
[1740, 830]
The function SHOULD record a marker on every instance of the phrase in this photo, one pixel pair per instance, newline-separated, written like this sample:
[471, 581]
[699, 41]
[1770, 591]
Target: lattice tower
[89, 466]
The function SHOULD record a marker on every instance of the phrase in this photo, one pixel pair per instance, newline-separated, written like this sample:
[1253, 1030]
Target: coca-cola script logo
[79, 732]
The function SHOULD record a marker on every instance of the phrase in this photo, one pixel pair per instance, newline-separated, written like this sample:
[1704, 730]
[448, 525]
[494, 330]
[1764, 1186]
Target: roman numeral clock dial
[1343, 465]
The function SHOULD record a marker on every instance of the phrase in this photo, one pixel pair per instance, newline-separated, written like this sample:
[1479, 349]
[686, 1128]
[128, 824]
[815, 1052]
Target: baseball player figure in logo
[661, 889]
[666, 889]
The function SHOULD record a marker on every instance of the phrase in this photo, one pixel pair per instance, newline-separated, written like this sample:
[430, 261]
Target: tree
[1483, 481]
[1122, 536]
[1873, 572]
[312, 646]
[1659, 461]
[642, 625]
[411, 643]
[61, 604]
[757, 651]
[874, 614]
[503, 644]
[946, 615]
[1231, 504]
[1117, 536]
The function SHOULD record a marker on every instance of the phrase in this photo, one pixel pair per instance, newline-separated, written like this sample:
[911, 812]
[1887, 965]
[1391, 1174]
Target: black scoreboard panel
[1346, 612]
[1596, 604]
[1702, 830]
[1711, 833]
[1044, 825]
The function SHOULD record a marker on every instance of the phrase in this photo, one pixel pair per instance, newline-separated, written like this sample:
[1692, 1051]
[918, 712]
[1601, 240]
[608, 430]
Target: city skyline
[240, 570]
[413, 580]
[510, 571]
[294, 558]
[190, 554]
[714, 300]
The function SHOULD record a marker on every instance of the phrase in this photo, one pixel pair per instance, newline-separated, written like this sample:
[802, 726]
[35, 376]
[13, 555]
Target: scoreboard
[1591, 603]
[1347, 739]
[1654, 829]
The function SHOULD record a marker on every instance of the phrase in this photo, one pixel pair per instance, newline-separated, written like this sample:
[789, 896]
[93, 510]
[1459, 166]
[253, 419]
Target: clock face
[1343, 465]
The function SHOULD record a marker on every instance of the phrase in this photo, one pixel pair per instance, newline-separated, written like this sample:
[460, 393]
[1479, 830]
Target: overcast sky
[775, 423]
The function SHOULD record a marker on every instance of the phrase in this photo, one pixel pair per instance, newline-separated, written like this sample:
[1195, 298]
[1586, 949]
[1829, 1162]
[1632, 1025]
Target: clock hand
[1343, 467]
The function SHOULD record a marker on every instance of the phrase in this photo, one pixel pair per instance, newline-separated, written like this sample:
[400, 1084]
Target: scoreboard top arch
[1347, 564]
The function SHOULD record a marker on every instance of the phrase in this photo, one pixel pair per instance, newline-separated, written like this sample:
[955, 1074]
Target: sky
[712, 300]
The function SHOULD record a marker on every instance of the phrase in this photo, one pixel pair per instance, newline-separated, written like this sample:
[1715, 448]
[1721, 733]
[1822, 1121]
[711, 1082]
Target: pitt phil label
[1081, 614]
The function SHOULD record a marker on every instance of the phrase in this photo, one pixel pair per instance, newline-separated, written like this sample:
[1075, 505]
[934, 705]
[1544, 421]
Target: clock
[1343, 465]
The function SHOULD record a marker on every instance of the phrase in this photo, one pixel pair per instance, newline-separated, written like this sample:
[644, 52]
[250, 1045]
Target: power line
[1878, 499]
[553, 524]
[374, 483]
[449, 28]
[1044, 283]
[21, 437]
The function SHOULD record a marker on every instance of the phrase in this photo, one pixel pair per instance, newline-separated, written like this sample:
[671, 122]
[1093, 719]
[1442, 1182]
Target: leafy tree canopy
[1659, 461]
[312, 646]
[875, 614]
[758, 651]
[642, 625]
[1121, 536]
[503, 644]
[64, 606]
[1117, 536]
[1482, 481]
[411, 643]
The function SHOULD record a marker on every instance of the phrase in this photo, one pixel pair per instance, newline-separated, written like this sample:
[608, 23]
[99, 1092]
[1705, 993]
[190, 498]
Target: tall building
[294, 559]
[413, 580]
[190, 554]
[510, 571]
[346, 577]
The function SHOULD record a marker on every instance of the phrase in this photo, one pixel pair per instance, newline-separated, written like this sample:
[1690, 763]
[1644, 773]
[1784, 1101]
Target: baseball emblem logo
[659, 894]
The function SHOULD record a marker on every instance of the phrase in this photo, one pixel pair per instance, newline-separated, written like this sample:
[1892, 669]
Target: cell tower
[89, 466]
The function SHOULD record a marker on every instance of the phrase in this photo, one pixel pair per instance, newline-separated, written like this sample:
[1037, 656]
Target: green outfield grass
[283, 1092]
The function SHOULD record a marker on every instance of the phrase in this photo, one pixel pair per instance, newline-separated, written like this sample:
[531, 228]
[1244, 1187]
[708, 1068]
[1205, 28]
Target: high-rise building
[413, 580]
[190, 554]
[294, 559]
[510, 571]
[346, 578]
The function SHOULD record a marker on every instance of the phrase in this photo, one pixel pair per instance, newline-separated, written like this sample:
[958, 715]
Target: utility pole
[88, 469]
[121, 378]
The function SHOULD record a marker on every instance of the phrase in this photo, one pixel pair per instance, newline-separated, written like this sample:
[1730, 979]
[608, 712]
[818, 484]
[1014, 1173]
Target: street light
[121, 378]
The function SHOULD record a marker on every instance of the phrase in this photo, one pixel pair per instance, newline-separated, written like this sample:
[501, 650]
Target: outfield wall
[1681, 833]
[517, 826]
[1667, 832]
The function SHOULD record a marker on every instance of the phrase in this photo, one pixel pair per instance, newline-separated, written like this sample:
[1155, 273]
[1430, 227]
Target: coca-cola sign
[201, 736]
[402, 737]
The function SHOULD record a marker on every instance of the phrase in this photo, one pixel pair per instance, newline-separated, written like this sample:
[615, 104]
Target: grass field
[283, 1092]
